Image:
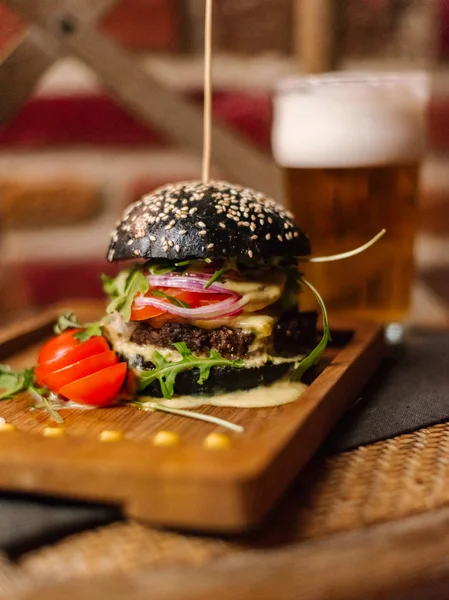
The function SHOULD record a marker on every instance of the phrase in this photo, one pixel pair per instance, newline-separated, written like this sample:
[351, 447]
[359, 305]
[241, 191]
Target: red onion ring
[192, 283]
[226, 308]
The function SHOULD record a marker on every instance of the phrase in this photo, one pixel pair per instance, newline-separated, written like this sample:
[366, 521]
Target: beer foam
[350, 125]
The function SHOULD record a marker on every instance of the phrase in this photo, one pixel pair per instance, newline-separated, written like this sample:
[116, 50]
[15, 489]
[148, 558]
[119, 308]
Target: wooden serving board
[185, 486]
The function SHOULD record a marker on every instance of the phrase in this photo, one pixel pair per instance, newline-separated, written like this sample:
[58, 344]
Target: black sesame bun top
[214, 220]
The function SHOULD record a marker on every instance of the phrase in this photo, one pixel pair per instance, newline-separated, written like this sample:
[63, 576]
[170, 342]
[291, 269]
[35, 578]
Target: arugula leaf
[45, 403]
[66, 321]
[90, 330]
[166, 372]
[314, 356]
[13, 382]
[10, 383]
[70, 321]
[171, 299]
[128, 284]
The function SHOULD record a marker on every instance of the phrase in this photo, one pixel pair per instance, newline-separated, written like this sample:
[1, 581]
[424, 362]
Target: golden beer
[350, 155]
[342, 209]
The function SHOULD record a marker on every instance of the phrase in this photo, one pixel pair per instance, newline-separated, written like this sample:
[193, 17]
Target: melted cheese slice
[259, 293]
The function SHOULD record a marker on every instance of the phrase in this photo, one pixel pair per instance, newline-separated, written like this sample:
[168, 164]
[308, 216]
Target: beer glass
[350, 147]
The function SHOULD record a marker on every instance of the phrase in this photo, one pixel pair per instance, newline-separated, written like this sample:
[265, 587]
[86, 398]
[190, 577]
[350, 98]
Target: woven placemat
[373, 484]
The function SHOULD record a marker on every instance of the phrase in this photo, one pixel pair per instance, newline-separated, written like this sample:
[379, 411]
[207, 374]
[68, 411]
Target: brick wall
[73, 147]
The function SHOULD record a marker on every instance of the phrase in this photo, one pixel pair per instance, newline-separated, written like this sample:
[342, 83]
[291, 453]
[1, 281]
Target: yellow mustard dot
[54, 432]
[217, 441]
[7, 427]
[166, 438]
[111, 435]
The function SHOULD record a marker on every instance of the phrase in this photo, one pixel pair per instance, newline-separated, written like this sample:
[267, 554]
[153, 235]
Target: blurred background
[73, 155]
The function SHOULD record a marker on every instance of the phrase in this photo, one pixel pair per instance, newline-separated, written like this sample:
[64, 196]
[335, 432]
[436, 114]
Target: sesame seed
[254, 237]
[270, 220]
[129, 242]
[136, 252]
[268, 236]
[177, 248]
[296, 234]
[200, 224]
[153, 238]
[202, 232]
[210, 246]
[222, 225]
[280, 238]
[250, 253]
[170, 243]
[183, 232]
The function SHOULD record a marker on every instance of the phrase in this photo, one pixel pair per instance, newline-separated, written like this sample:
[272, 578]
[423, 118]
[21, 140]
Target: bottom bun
[221, 380]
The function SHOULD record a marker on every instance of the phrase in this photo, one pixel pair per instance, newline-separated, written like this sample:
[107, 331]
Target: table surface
[368, 523]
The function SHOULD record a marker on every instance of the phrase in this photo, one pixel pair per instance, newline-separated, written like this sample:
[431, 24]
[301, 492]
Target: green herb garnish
[13, 382]
[161, 269]
[123, 289]
[314, 356]
[171, 299]
[10, 383]
[190, 414]
[166, 372]
[215, 277]
[70, 321]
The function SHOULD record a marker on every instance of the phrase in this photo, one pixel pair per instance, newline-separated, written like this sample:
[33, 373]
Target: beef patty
[293, 334]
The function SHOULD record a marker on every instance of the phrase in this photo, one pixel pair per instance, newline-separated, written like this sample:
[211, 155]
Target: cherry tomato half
[58, 346]
[81, 350]
[81, 371]
[98, 389]
[57, 379]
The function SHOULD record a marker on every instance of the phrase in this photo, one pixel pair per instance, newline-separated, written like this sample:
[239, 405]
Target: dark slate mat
[409, 391]
[29, 522]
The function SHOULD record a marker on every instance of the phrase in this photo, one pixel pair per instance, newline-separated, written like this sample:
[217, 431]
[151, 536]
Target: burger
[209, 303]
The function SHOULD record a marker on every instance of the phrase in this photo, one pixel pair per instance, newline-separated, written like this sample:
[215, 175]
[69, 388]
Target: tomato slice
[98, 389]
[193, 299]
[57, 379]
[142, 313]
[58, 346]
[81, 350]
[206, 299]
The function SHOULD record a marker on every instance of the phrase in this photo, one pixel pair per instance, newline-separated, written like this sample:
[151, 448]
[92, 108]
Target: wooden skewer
[207, 115]
[315, 38]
